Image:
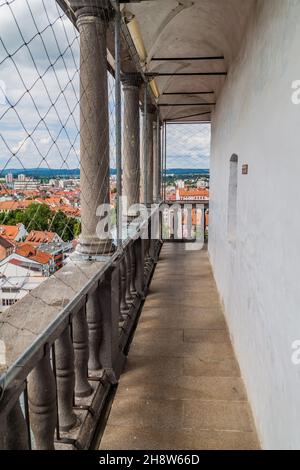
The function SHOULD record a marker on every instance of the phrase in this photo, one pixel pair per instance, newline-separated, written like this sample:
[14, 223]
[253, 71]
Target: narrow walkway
[182, 387]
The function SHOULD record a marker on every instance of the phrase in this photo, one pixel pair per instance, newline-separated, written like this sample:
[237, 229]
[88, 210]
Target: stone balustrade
[65, 347]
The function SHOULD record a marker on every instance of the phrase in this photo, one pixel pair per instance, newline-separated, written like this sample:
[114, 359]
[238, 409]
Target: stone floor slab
[181, 388]
[127, 437]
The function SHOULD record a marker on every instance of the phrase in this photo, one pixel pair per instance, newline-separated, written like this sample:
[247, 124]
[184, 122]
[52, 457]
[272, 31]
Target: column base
[93, 249]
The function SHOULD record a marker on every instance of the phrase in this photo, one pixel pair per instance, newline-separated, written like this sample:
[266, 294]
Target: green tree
[59, 224]
[37, 217]
[66, 227]
[40, 217]
[77, 228]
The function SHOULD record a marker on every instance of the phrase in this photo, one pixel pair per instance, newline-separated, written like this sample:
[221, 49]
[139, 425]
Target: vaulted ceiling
[177, 35]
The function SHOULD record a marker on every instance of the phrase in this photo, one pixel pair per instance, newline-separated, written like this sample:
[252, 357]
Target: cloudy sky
[188, 145]
[39, 93]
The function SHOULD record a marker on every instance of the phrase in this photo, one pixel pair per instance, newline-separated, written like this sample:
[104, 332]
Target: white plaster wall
[259, 277]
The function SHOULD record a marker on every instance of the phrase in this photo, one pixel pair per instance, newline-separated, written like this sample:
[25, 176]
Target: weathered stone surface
[24, 321]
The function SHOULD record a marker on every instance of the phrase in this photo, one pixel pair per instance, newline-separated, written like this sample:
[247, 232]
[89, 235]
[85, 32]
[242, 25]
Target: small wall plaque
[245, 169]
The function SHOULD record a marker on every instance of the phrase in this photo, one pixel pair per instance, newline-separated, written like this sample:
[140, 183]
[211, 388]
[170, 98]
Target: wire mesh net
[39, 62]
[39, 109]
[40, 139]
[40, 142]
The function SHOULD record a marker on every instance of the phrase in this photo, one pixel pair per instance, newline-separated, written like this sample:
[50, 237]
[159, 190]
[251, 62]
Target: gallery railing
[185, 221]
[62, 362]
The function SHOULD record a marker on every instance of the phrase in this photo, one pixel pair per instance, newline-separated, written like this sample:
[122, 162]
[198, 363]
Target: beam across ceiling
[175, 93]
[186, 104]
[179, 59]
[188, 123]
[189, 116]
[185, 74]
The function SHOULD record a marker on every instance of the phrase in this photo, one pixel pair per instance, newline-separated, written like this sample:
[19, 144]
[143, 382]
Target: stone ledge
[24, 321]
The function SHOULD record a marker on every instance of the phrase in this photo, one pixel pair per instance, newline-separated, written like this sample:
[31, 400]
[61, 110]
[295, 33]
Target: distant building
[38, 237]
[192, 194]
[15, 282]
[180, 184]
[6, 248]
[59, 252]
[45, 261]
[9, 178]
[202, 184]
[26, 185]
[32, 259]
[68, 211]
[6, 206]
[21, 177]
[63, 183]
[13, 232]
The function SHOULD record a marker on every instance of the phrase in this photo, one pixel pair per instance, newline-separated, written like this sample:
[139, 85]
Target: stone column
[156, 160]
[92, 19]
[147, 160]
[159, 161]
[150, 133]
[131, 140]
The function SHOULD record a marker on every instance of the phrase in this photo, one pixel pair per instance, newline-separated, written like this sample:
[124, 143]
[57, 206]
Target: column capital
[97, 8]
[131, 80]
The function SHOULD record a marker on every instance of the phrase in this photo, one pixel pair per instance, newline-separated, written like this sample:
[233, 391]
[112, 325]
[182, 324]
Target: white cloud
[188, 145]
[45, 140]
[21, 147]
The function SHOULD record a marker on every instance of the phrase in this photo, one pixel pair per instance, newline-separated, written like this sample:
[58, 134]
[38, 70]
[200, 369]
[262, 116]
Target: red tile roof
[13, 205]
[68, 210]
[9, 231]
[6, 243]
[193, 192]
[29, 252]
[37, 236]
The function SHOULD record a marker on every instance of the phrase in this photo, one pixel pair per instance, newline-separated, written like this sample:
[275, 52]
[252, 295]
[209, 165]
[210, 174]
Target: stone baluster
[139, 266]
[148, 259]
[93, 315]
[81, 353]
[13, 429]
[110, 308]
[146, 255]
[123, 304]
[42, 403]
[133, 271]
[65, 380]
[129, 298]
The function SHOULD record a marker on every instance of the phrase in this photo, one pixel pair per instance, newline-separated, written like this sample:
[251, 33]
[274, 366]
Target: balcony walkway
[182, 387]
